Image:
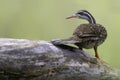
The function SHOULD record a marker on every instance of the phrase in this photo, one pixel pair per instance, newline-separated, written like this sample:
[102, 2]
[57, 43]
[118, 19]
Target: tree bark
[22, 59]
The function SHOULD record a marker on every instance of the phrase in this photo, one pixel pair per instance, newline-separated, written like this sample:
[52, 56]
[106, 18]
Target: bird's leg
[96, 52]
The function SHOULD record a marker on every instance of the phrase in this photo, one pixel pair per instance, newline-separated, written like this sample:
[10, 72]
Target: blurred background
[45, 20]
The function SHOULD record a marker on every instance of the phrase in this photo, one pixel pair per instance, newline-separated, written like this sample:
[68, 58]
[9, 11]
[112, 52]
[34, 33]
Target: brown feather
[89, 35]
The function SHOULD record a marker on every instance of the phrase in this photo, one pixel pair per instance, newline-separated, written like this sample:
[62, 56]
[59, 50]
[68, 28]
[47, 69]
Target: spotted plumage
[89, 35]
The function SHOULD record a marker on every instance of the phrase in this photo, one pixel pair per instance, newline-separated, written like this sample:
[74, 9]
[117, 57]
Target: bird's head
[83, 14]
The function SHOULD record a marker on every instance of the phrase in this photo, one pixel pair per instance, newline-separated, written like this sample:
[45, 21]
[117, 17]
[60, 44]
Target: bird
[88, 35]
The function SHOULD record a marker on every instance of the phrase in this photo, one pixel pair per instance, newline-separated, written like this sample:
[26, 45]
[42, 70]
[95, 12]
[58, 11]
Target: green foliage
[45, 20]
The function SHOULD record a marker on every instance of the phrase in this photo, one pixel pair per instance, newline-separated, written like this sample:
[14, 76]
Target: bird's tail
[71, 40]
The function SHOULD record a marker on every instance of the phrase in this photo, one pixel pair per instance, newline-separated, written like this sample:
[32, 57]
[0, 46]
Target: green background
[45, 20]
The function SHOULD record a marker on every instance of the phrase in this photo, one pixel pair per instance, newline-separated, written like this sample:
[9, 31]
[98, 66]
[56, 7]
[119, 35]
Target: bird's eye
[81, 13]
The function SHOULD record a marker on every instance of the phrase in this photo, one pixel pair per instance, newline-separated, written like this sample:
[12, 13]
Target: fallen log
[22, 59]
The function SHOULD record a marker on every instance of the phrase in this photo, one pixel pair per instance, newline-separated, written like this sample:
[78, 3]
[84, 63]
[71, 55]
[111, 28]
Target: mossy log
[22, 59]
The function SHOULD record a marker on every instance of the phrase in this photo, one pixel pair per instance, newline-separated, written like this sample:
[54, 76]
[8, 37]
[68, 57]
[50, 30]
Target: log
[22, 59]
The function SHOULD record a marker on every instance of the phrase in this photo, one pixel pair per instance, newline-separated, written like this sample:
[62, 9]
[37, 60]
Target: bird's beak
[73, 16]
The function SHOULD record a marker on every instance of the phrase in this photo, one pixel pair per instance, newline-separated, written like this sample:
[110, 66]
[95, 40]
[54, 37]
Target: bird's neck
[90, 18]
[92, 21]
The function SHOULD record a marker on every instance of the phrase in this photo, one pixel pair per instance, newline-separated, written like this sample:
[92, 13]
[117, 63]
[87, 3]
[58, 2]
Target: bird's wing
[87, 35]
[86, 31]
